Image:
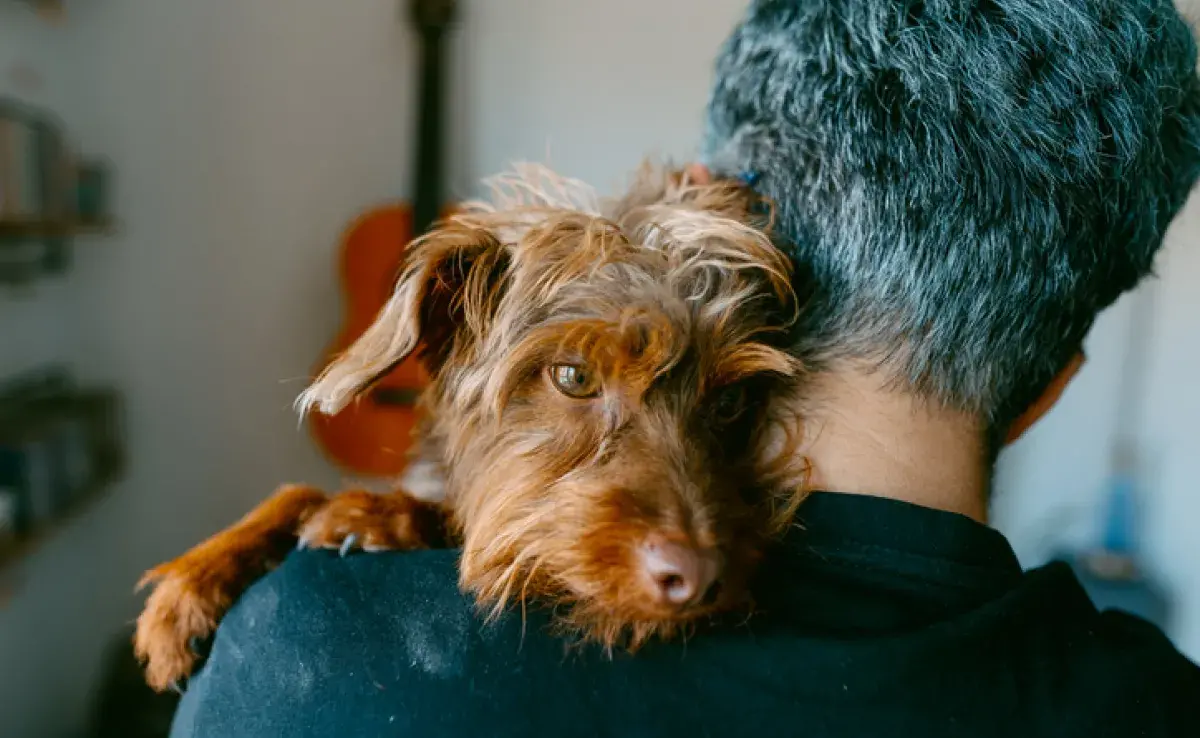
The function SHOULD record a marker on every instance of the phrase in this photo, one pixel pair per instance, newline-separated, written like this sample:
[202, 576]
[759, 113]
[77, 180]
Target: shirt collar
[828, 521]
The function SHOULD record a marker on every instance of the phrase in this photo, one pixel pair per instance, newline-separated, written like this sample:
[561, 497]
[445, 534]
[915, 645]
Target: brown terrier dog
[598, 416]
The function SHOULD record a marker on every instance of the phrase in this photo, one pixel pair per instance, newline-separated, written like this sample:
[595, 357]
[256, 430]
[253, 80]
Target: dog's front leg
[192, 593]
[375, 522]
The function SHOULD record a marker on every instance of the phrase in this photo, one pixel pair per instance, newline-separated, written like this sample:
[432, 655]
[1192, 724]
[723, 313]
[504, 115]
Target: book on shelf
[36, 167]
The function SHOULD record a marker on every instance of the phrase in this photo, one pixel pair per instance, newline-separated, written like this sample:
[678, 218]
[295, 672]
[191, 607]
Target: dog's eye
[730, 403]
[574, 381]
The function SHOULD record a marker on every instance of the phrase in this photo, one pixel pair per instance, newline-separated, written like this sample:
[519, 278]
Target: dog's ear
[449, 287]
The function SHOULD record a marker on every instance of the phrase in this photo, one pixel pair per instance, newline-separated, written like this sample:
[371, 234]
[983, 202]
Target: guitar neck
[429, 182]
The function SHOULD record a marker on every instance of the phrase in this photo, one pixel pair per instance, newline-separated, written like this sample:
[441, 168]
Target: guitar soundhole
[395, 396]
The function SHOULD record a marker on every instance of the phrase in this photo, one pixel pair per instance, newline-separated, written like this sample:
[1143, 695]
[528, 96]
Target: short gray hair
[967, 184]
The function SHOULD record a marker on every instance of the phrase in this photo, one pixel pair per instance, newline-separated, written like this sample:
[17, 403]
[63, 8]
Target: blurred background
[168, 278]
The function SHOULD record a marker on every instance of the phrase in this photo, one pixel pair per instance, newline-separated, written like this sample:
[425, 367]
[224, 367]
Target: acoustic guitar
[372, 435]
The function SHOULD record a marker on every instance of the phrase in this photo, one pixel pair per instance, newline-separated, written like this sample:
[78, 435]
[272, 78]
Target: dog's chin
[590, 581]
[631, 630]
[632, 619]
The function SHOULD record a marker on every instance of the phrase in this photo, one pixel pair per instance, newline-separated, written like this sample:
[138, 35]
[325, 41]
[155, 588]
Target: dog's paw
[371, 522]
[178, 618]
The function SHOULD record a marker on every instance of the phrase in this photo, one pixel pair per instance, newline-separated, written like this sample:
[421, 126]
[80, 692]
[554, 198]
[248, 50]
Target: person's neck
[864, 438]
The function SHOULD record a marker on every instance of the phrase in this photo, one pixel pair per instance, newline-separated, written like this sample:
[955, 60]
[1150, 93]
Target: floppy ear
[450, 283]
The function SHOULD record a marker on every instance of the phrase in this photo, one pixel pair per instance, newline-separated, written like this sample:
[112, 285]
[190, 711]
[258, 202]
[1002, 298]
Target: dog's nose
[680, 575]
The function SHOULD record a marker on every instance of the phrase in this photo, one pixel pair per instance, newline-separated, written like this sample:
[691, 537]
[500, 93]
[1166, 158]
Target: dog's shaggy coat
[601, 375]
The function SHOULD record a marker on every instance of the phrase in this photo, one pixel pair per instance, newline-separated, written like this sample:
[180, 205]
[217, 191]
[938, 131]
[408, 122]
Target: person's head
[966, 184]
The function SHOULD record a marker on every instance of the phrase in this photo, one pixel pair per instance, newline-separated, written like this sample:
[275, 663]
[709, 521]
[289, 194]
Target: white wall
[1170, 431]
[68, 596]
[244, 136]
[33, 323]
[248, 135]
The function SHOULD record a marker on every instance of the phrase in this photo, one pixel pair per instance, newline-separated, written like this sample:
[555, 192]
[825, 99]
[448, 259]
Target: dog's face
[599, 393]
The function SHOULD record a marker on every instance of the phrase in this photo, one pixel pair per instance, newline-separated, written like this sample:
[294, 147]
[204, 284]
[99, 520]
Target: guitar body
[373, 435]
[369, 437]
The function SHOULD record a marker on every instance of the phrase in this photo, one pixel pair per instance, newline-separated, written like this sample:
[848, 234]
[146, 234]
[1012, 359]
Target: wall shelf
[61, 449]
[87, 497]
[20, 229]
[49, 193]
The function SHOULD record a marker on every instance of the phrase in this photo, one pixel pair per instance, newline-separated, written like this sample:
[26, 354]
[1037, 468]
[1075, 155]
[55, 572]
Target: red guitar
[372, 436]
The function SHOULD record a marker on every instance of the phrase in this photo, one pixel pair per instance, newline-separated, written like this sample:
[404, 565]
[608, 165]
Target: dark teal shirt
[877, 619]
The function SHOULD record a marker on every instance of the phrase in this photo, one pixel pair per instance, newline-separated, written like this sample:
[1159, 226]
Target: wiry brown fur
[674, 300]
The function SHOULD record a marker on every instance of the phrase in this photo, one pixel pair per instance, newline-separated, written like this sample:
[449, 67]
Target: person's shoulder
[1140, 673]
[383, 641]
[1112, 634]
[370, 584]
[1144, 649]
[330, 606]
[1121, 668]
[375, 644]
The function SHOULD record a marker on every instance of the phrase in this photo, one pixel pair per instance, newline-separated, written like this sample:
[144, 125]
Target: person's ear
[1047, 400]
